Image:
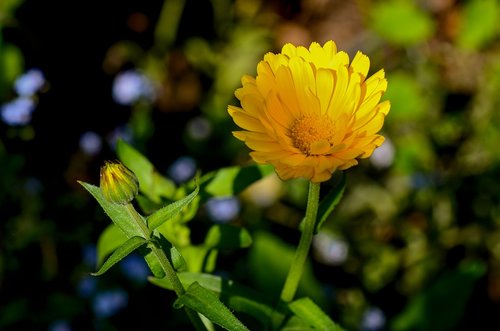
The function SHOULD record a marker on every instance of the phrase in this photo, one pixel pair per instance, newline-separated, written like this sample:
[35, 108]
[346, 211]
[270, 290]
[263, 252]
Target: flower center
[312, 135]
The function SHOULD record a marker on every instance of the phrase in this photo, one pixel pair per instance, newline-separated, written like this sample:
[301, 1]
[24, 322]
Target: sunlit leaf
[170, 211]
[295, 323]
[223, 236]
[269, 255]
[407, 100]
[151, 183]
[479, 24]
[208, 304]
[121, 252]
[109, 240]
[308, 311]
[401, 22]
[240, 298]
[232, 180]
[199, 258]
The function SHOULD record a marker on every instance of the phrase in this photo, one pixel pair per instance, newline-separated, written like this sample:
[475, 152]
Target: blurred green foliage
[418, 233]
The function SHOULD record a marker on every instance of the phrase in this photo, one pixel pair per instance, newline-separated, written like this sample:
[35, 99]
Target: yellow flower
[118, 183]
[309, 112]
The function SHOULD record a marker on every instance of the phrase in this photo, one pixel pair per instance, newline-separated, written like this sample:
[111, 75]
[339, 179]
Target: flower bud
[118, 183]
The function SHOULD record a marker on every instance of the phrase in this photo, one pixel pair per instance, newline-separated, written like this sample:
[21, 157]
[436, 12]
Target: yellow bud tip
[118, 183]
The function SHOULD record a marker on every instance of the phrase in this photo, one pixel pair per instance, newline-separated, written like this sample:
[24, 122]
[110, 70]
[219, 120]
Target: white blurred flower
[373, 319]
[383, 156]
[330, 250]
[131, 86]
[90, 143]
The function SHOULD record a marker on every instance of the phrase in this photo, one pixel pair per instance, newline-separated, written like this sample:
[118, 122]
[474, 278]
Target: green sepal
[119, 214]
[170, 211]
[208, 304]
[309, 312]
[121, 252]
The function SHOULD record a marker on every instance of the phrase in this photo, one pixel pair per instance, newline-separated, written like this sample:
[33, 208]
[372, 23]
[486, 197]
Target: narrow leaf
[208, 281]
[119, 214]
[170, 211]
[238, 297]
[208, 304]
[151, 183]
[308, 311]
[109, 240]
[121, 252]
[232, 180]
[328, 204]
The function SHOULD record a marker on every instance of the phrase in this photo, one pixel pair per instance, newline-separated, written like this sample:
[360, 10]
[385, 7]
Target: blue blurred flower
[131, 86]
[108, 303]
[29, 83]
[123, 132]
[90, 143]
[87, 286]
[59, 325]
[373, 320]
[89, 253]
[223, 210]
[135, 268]
[182, 169]
[18, 111]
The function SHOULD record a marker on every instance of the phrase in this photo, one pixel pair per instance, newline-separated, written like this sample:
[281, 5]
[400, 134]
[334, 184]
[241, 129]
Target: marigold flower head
[309, 112]
[118, 183]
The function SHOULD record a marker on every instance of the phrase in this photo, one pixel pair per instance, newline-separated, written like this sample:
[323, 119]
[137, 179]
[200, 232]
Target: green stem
[166, 266]
[297, 268]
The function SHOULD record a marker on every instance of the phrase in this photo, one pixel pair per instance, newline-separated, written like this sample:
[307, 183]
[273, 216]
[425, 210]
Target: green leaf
[109, 240]
[224, 236]
[260, 311]
[208, 281]
[401, 22]
[269, 255]
[307, 310]
[329, 202]
[119, 214]
[170, 211]
[238, 297]
[408, 102]
[480, 23]
[451, 292]
[232, 180]
[295, 323]
[208, 304]
[151, 183]
[128, 247]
